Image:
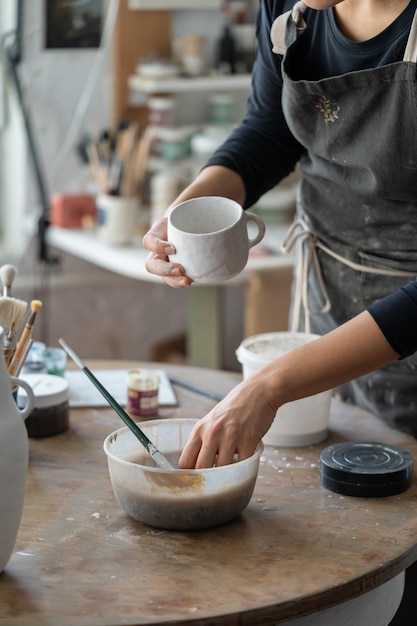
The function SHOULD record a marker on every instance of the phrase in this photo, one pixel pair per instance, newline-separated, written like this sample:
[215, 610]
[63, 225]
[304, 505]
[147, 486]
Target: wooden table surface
[298, 548]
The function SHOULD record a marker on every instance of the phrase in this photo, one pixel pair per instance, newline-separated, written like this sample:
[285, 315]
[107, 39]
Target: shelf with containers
[146, 86]
[186, 88]
[192, 117]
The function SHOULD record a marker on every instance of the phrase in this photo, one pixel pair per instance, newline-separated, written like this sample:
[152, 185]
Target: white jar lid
[48, 389]
[142, 379]
[172, 133]
[161, 104]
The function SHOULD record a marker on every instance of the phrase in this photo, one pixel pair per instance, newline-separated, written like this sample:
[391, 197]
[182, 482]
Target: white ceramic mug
[211, 238]
[117, 218]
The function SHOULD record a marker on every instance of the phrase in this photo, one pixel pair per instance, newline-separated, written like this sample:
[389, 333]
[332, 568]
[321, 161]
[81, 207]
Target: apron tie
[279, 27]
[297, 13]
[299, 233]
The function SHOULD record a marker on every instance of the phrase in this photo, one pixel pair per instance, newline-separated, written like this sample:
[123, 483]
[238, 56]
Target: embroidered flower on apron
[329, 109]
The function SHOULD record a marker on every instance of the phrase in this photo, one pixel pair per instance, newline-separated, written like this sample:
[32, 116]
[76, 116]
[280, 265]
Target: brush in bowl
[176, 499]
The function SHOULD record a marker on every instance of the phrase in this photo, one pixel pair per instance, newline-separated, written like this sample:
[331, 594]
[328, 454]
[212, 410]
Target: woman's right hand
[158, 262]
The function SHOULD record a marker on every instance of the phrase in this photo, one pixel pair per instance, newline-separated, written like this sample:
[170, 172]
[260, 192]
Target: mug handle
[251, 217]
[30, 398]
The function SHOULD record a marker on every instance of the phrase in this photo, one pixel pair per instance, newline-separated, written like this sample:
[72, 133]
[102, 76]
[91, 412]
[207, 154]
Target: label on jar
[142, 393]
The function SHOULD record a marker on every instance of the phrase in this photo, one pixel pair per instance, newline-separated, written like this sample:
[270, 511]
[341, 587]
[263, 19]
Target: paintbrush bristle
[36, 305]
[7, 275]
[12, 313]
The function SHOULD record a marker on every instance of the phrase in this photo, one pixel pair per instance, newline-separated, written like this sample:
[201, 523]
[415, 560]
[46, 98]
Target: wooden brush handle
[20, 351]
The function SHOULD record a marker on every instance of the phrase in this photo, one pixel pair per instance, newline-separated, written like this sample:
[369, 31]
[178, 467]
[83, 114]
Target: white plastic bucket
[298, 423]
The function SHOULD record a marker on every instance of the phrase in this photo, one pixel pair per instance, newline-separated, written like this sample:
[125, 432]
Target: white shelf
[130, 260]
[234, 82]
[137, 5]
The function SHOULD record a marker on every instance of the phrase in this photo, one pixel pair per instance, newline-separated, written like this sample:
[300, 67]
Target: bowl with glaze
[176, 499]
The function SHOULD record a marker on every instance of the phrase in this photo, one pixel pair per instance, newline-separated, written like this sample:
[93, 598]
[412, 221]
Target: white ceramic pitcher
[14, 449]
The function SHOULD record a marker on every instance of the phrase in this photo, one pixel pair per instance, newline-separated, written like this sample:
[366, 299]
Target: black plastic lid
[366, 469]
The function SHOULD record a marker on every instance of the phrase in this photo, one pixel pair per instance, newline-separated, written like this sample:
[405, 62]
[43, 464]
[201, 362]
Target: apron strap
[308, 243]
[410, 54]
[279, 27]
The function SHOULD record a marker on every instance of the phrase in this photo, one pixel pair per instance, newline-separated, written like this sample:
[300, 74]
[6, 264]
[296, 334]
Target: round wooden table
[297, 550]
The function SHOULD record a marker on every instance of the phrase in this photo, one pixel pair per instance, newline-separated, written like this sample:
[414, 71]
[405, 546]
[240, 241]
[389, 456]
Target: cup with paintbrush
[119, 178]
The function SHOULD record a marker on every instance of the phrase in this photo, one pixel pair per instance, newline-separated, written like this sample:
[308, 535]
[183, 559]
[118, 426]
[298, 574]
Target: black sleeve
[396, 316]
[262, 149]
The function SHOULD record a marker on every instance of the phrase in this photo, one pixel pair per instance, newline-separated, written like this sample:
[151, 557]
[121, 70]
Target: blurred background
[88, 89]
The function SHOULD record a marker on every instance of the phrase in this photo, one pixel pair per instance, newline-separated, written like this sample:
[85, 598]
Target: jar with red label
[142, 392]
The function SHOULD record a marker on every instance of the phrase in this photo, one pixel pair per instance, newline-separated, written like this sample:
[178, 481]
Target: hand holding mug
[211, 239]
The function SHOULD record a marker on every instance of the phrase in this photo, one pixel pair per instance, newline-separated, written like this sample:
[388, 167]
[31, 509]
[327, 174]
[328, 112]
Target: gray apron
[356, 225]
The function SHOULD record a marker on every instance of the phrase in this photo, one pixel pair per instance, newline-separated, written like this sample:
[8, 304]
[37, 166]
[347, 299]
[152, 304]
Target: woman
[334, 89]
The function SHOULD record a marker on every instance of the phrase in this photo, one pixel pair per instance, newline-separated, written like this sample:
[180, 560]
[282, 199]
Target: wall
[12, 154]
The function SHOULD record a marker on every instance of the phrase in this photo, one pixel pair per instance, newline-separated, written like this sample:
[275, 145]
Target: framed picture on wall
[73, 23]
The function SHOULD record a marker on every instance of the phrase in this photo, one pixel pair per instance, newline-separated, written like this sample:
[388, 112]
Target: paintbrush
[12, 315]
[24, 338]
[24, 355]
[7, 275]
[144, 149]
[12, 311]
[95, 166]
[203, 392]
[157, 456]
[126, 159]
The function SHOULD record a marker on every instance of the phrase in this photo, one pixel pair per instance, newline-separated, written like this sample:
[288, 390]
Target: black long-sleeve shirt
[263, 151]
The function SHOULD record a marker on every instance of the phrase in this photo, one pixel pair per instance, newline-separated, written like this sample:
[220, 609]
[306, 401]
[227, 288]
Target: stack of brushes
[17, 320]
[118, 165]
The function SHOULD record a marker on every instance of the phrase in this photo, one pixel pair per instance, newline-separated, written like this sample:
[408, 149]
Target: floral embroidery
[325, 106]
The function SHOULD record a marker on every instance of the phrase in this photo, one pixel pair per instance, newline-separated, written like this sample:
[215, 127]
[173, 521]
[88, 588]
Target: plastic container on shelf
[204, 143]
[164, 188]
[222, 108]
[174, 143]
[161, 110]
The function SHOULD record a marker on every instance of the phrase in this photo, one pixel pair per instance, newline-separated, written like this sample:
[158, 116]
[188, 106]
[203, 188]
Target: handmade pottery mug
[211, 239]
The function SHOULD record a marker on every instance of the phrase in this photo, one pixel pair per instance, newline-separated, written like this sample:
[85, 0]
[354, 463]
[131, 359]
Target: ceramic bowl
[176, 499]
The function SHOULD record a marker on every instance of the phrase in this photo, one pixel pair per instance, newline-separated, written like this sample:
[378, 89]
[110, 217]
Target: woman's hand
[234, 426]
[158, 262]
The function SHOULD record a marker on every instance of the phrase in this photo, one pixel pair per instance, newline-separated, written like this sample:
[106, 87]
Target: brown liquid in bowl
[179, 501]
